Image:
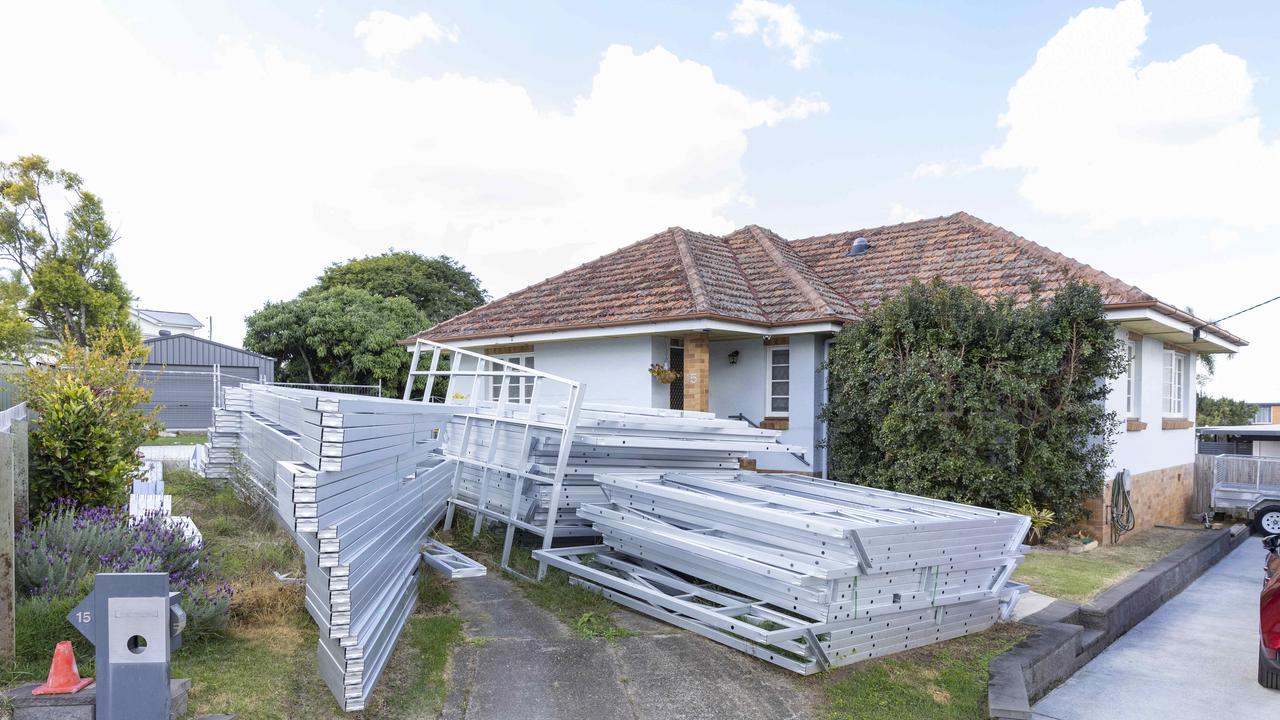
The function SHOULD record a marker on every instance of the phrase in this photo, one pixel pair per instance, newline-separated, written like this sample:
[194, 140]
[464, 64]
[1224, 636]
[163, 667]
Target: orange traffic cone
[63, 676]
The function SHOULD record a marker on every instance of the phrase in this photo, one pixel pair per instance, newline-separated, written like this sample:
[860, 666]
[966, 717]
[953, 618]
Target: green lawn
[265, 665]
[193, 438]
[1081, 577]
[947, 681]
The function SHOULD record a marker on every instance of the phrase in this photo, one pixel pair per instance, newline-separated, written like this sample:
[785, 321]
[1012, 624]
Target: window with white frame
[1262, 416]
[779, 385]
[519, 389]
[1133, 379]
[1175, 383]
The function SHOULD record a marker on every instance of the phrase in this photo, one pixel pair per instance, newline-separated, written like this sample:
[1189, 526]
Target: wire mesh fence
[186, 399]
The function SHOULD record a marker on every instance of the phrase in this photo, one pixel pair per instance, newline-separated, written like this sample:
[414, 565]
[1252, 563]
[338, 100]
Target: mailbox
[134, 623]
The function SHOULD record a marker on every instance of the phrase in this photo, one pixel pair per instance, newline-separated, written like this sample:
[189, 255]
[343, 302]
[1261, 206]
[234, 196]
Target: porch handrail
[753, 424]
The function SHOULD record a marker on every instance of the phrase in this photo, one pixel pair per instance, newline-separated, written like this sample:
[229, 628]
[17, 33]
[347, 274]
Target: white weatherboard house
[748, 317]
[161, 323]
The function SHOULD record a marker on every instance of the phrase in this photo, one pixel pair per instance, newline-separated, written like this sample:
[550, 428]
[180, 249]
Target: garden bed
[1081, 577]
[263, 664]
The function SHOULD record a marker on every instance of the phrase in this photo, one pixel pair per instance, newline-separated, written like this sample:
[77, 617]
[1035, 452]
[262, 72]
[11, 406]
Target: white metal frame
[1133, 378]
[769, 395]
[556, 416]
[1173, 392]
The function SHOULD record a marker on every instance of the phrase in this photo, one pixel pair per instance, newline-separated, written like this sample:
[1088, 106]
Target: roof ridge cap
[697, 290]
[806, 288]
[746, 280]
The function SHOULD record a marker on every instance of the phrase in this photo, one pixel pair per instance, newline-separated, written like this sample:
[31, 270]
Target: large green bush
[939, 392]
[88, 424]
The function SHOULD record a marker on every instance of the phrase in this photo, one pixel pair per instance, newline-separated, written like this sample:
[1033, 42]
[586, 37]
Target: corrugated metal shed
[187, 374]
[186, 349]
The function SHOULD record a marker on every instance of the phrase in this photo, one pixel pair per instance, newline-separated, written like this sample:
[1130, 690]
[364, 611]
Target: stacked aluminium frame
[360, 483]
[804, 573]
[529, 451]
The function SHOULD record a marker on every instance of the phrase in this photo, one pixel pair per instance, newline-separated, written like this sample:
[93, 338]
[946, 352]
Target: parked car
[1269, 618]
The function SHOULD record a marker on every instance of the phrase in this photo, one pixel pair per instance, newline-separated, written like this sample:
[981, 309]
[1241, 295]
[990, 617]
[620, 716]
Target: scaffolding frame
[503, 397]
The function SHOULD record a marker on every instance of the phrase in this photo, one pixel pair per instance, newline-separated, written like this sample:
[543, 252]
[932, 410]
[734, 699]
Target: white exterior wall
[613, 370]
[1154, 448]
[740, 389]
[150, 329]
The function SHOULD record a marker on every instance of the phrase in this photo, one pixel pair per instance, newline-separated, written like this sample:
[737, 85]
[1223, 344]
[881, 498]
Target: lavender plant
[58, 555]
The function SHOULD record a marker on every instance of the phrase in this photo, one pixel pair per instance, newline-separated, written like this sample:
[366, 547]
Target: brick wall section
[697, 372]
[1158, 497]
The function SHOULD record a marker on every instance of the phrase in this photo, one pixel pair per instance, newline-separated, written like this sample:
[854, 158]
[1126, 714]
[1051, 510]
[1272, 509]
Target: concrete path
[1195, 657]
[519, 661]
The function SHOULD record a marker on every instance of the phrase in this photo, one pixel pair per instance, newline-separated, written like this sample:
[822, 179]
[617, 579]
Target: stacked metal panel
[606, 439]
[360, 483]
[805, 573]
[528, 451]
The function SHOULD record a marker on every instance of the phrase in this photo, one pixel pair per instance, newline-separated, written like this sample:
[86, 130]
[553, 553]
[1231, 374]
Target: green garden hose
[1122, 519]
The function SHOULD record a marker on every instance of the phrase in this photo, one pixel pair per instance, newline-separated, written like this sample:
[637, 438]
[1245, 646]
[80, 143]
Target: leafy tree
[16, 331]
[67, 266]
[1223, 411]
[939, 392]
[338, 335]
[440, 287]
[89, 424]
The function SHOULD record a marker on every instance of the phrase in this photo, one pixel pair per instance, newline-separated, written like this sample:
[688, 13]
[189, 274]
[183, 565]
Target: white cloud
[1100, 134]
[901, 214]
[240, 181]
[935, 170]
[387, 34]
[778, 26]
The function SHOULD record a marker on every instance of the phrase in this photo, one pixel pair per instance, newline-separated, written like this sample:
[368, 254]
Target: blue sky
[523, 138]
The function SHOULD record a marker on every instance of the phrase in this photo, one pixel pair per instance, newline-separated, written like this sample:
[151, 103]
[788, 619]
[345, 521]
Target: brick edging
[1070, 635]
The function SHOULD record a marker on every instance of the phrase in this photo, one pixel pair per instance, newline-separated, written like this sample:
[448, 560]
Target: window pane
[781, 372]
[781, 388]
[781, 356]
[780, 404]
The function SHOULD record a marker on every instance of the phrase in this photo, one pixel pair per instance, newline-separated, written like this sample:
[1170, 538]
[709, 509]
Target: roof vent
[859, 247]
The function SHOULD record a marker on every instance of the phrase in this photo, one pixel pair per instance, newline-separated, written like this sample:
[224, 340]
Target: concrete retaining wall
[1071, 635]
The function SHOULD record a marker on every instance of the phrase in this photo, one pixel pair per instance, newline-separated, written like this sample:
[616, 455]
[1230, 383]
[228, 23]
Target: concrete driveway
[1195, 657]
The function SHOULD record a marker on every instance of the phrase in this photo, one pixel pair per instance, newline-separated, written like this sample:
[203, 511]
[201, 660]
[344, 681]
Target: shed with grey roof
[187, 375]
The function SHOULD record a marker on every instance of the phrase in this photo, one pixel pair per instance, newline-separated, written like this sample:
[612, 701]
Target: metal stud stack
[805, 573]
[528, 451]
[360, 483]
[606, 439]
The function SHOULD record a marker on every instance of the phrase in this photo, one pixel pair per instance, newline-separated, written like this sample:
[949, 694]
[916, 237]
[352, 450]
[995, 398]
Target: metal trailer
[1248, 485]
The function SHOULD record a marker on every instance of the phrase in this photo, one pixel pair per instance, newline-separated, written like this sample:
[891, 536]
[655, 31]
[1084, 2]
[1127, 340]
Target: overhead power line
[1195, 332]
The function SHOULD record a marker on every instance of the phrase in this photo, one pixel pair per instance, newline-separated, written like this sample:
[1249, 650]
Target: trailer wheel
[1267, 520]
[1268, 674]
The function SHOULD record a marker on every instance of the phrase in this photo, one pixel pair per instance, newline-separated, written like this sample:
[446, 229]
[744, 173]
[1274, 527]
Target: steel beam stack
[805, 573]
[360, 483]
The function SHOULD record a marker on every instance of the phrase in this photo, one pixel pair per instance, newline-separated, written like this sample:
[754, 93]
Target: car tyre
[1267, 520]
[1268, 674]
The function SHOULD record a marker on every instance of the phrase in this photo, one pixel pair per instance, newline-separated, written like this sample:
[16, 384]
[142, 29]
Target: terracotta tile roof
[753, 276]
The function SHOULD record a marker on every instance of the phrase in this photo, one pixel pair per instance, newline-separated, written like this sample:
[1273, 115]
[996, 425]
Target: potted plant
[664, 374]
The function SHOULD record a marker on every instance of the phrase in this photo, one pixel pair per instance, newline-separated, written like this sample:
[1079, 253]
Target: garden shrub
[57, 556]
[939, 392]
[87, 426]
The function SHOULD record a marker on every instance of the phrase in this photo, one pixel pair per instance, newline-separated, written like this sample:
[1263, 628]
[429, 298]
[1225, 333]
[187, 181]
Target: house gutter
[1176, 314]
[648, 324]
